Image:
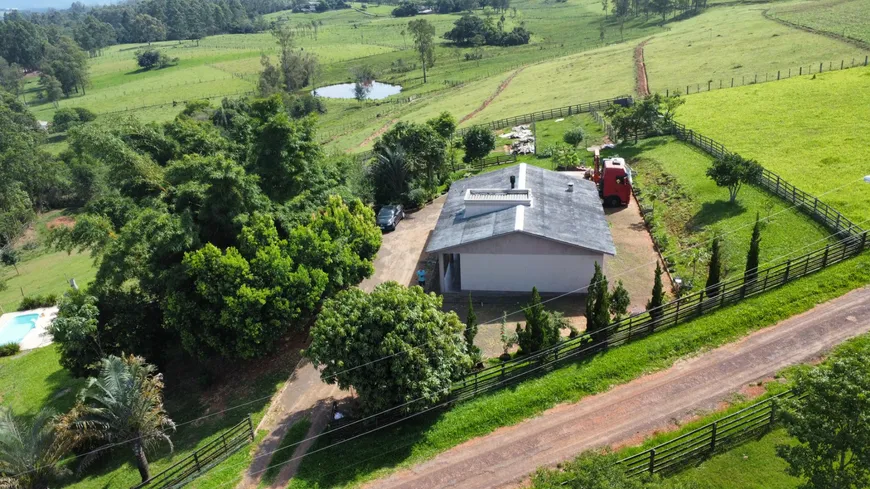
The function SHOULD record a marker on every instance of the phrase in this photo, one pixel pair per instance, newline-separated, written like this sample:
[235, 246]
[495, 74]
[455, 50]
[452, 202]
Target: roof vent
[513, 181]
[482, 201]
[570, 187]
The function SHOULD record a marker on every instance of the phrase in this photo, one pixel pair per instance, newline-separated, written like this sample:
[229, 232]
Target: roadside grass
[738, 42]
[813, 131]
[848, 19]
[421, 438]
[688, 209]
[293, 437]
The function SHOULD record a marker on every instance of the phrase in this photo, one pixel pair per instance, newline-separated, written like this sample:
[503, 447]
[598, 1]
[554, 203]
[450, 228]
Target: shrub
[418, 197]
[405, 10]
[9, 349]
[84, 114]
[574, 136]
[37, 301]
[64, 119]
[152, 58]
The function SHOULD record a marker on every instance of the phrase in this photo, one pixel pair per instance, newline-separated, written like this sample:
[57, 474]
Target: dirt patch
[501, 88]
[640, 70]
[61, 221]
[377, 133]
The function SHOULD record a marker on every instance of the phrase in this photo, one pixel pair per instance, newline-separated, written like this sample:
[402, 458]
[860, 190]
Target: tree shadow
[713, 212]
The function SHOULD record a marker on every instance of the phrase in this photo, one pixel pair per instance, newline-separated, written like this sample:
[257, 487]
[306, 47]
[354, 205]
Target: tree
[390, 173]
[662, 7]
[9, 257]
[52, 87]
[423, 147]
[154, 58]
[619, 301]
[297, 67]
[123, 404]
[21, 41]
[732, 171]
[541, 330]
[598, 307]
[478, 141]
[830, 418]
[444, 124]
[424, 42]
[574, 136]
[652, 114]
[31, 450]
[270, 78]
[16, 212]
[76, 332]
[507, 339]
[658, 295]
[237, 302]
[393, 346]
[715, 271]
[752, 256]
[11, 77]
[471, 331]
[146, 28]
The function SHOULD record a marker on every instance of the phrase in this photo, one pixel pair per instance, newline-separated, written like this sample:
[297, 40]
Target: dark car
[389, 216]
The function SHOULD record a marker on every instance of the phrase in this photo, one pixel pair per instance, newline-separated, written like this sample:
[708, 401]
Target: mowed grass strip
[418, 439]
[285, 450]
[736, 42]
[813, 131]
[689, 210]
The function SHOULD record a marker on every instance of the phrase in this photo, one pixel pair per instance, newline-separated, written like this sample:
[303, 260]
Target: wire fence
[203, 458]
[702, 443]
[715, 83]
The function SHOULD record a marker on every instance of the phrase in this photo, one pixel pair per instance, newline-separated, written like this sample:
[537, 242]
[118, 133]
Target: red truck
[613, 178]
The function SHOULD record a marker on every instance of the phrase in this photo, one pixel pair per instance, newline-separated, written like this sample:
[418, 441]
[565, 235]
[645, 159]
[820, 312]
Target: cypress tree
[471, 327]
[714, 275]
[598, 306]
[754, 250]
[532, 338]
[658, 295]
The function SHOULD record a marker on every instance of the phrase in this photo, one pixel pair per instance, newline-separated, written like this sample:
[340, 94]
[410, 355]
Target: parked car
[389, 216]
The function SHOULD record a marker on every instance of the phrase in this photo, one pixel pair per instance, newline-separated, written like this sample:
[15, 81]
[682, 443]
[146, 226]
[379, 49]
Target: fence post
[196, 462]
[676, 314]
[251, 426]
[777, 74]
[825, 257]
[787, 270]
[863, 239]
[652, 461]
[772, 413]
[821, 67]
[801, 71]
[713, 438]
[732, 82]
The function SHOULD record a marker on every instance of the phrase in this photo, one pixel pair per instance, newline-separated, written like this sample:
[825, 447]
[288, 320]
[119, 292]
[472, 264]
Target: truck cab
[614, 186]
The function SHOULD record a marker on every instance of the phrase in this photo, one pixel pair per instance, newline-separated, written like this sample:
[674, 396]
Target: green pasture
[848, 19]
[736, 42]
[688, 209]
[811, 130]
[411, 442]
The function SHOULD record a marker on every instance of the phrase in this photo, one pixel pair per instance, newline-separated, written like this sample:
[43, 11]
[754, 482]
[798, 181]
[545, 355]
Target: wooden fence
[203, 458]
[547, 114]
[493, 160]
[702, 443]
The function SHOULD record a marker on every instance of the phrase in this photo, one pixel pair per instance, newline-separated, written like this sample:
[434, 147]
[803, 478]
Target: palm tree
[392, 172]
[124, 404]
[30, 452]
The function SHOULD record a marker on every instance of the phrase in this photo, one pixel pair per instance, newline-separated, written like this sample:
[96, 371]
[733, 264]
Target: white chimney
[570, 187]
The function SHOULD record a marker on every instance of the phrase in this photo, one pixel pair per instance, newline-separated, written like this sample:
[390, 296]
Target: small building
[520, 227]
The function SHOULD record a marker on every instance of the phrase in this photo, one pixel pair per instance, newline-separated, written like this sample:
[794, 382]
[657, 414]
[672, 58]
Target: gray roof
[574, 218]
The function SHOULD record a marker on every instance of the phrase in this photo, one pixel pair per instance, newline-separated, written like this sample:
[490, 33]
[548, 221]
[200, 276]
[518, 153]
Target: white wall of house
[521, 272]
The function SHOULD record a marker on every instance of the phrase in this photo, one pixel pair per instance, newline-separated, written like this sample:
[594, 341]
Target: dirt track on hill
[641, 80]
[504, 84]
[631, 411]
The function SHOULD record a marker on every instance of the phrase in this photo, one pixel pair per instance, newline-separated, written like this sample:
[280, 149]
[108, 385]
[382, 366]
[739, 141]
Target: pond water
[377, 90]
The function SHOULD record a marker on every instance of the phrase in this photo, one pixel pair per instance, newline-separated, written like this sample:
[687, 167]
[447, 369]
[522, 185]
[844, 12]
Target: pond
[377, 90]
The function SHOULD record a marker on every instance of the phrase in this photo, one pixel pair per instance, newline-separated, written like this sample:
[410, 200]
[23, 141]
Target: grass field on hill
[738, 42]
[813, 131]
[844, 18]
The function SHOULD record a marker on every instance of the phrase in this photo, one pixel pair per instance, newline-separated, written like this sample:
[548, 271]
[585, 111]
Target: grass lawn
[738, 42]
[847, 18]
[689, 209]
[411, 442]
[813, 131]
[42, 270]
[34, 379]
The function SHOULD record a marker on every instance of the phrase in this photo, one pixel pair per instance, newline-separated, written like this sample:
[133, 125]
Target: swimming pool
[15, 330]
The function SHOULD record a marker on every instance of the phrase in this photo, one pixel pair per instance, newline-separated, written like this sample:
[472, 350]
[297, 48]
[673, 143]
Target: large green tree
[732, 171]
[75, 331]
[478, 142]
[424, 42]
[831, 422]
[395, 346]
[424, 150]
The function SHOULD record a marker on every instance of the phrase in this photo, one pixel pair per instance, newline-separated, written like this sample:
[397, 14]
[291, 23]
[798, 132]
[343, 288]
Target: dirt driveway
[401, 253]
[634, 410]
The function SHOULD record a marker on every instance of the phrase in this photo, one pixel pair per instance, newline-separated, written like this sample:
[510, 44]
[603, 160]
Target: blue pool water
[15, 330]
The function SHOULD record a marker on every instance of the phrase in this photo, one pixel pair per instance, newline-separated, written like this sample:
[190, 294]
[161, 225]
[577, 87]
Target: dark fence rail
[547, 114]
[203, 458]
[493, 160]
[702, 443]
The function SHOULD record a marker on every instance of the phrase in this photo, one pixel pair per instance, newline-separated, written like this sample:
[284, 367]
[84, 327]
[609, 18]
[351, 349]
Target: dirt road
[631, 411]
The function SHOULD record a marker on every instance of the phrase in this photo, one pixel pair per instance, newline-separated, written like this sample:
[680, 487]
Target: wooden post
[709, 82]
[732, 82]
[841, 64]
[825, 257]
[677, 314]
[801, 71]
[251, 426]
[196, 462]
[652, 461]
[772, 412]
[787, 270]
[713, 438]
[821, 66]
[777, 74]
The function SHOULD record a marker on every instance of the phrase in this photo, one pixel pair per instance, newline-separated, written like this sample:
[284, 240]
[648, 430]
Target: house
[520, 227]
